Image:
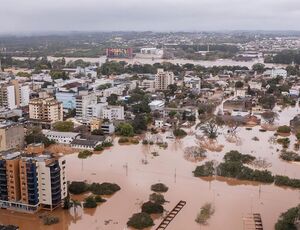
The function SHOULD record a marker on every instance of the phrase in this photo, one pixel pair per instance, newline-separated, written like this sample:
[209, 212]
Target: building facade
[46, 109]
[30, 183]
[163, 79]
[11, 136]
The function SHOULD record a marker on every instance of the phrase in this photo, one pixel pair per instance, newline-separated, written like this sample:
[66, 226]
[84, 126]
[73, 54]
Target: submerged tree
[210, 128]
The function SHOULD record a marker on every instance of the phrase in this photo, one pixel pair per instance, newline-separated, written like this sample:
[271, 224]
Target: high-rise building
[30, 183]
[13, 95]
[82, 103]
[45, 109]
[163, 79]
[11, 136]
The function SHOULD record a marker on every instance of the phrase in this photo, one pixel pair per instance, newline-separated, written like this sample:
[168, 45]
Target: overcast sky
[161, 15]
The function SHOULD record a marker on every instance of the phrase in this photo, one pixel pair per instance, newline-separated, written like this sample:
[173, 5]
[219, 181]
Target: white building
[24, 95]
[194, 83]
[60, 137]
[83, 102]
[276, 72]
[163, 79]
[113, 113]
[156, 105]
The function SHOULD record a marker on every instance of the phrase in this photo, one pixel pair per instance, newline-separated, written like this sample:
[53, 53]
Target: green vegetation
[63, 126]
[159, 187]
[35, 135]
[205, 170]
[233, 168]
[84, 154]
[284, 142]
[140, 221]
[97, 189]
[125, 129]
[90, 202]
[284, 129]
[104, 188]
[123, 140]
[99, 199]
[98, 148]
[157, 198]
[50, 220]
[205, 213]
[289, 156]
[179, 133]
[152, 208]
[237, 156]
[78, 187]
[287, 220]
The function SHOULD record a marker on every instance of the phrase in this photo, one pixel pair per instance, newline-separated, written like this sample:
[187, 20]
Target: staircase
[171, 215]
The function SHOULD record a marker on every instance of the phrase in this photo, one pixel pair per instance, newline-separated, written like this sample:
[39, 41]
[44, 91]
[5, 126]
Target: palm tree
[75, 204]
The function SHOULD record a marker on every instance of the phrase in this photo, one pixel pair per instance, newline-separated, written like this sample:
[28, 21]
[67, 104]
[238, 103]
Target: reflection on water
[123, 165]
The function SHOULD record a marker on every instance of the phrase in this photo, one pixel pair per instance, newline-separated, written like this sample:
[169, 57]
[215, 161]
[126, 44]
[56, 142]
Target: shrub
[159, 187]
[145, 142]
[104, 188]
[180, 133]
[140, 221]
[286, 181]
[49, 220]
[99, 199]
[107, 144]
[287, 219]
[238, 157]
[84, 154]
[134, 141]
[157, 198]
[205, 213]
[204, 170]
[98, 148]
[90, 202]
[284, 142]
[152, 208]
[78, 187]
[284, 129]
[123, 140]
[289, 156]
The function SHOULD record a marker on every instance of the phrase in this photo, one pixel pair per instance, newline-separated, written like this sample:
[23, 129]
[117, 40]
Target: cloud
[66, 15]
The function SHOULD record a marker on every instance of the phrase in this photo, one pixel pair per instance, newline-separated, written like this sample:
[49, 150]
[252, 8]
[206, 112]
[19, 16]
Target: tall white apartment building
[163, 79]
[83, 102]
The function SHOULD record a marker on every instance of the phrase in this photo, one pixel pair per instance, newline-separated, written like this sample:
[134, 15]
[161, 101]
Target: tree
[239, 84]
[63, 126]
[205, 213]
[287, 220]
[269, 116]
[125, 129]
[210, 128]
[259, 68]
[139, 123]
[152, 208]
[140, 221]
[90, 202]
[35, 135]
[112, 99]
[159, 187]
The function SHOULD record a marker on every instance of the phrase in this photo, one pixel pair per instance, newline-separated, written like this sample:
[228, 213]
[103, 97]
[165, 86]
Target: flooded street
[124, 165]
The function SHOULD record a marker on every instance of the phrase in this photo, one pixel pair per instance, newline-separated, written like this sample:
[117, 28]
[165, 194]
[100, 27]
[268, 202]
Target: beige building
[11, 136]
[46, 109]
[163, 79]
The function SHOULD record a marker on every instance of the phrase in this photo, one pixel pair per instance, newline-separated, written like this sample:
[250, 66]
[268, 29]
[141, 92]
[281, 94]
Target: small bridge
[171, 215]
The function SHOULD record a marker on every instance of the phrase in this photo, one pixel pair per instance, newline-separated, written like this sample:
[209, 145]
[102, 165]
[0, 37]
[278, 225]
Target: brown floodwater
[125, 165]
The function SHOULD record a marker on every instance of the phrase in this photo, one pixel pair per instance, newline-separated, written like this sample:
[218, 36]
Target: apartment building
[11, 136]
[163, 79]
[82, 103]
[14, 95]
[30, 183]
[113, 113]
[46, 109]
